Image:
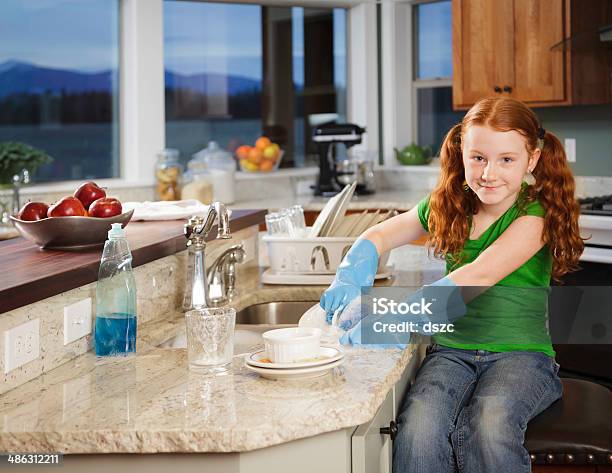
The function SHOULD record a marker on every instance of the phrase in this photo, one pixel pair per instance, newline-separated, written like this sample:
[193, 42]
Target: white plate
[364, 224]
[297, 373]
[347, 223]
[321, 221]
[336, 219]
[326, 354]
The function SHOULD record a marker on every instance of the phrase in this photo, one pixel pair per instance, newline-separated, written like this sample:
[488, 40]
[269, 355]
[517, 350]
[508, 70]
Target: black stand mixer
[326, 136]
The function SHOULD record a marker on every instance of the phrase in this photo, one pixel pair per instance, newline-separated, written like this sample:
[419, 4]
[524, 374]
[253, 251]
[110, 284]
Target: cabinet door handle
[391, 430]
[507, 88]
[497, 89]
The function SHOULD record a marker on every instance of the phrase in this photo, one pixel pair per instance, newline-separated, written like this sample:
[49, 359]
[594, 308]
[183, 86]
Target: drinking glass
[296, 215]
[279, 224]
[210, 339]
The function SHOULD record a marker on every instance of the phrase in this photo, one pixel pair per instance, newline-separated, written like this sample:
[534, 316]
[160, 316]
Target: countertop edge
[19, 294]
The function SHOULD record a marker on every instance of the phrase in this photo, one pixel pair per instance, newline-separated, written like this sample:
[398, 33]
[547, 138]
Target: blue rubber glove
[356, 270]
[448, 307]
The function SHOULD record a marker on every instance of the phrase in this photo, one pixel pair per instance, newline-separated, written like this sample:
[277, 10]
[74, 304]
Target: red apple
[33, 211]
[88, 192]
[105, 207]
[66, 207]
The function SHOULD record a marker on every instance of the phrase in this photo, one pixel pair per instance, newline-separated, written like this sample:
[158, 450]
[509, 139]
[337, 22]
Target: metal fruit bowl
[69, 233]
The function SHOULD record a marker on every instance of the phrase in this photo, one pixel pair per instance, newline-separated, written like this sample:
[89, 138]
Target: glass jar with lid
[218, 166]
[168, 171]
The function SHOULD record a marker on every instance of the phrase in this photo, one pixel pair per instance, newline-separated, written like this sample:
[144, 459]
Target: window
[236, 71]
[59, 84]
[432, 73]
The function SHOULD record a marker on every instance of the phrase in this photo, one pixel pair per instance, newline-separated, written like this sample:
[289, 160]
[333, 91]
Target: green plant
[15, 156]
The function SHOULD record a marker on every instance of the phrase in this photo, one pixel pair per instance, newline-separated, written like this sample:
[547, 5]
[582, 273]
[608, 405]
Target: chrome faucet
[196, 230]
[222, 275]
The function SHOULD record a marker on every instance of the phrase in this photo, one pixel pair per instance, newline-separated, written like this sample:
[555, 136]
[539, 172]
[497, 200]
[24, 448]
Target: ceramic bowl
[69, 233]
[292, 344]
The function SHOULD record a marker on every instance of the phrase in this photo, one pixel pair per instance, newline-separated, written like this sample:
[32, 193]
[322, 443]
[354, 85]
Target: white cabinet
[373, 451]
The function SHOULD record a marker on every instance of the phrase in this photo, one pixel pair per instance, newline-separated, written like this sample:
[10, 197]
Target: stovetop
[600, 205]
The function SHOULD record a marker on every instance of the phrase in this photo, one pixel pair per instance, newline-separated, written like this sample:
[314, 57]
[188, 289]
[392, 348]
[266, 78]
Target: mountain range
[19, 77]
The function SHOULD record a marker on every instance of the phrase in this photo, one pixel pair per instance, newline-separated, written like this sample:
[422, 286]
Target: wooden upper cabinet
[503, 47]
[539, 73]
[482, 48]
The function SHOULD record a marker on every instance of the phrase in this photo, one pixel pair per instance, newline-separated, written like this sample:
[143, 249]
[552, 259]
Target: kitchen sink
[254, 320]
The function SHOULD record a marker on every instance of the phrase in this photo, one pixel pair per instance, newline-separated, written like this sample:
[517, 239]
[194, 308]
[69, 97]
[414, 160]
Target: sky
[198, 37]
[43, 32]
[435, 41]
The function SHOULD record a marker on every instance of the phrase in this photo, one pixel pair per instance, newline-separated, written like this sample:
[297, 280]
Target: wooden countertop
[29, 274]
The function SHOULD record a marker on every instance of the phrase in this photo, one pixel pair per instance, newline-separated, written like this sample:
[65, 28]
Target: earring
[466, 188]
[529, 178]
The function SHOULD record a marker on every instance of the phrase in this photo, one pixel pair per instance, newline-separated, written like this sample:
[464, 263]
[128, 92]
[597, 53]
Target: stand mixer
[326, 136]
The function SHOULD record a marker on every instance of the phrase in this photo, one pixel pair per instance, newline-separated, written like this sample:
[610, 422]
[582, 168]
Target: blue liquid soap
[115, 334]
[115, 328]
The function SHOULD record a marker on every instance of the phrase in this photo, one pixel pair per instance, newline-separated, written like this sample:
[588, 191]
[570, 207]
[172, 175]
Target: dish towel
[166, 210]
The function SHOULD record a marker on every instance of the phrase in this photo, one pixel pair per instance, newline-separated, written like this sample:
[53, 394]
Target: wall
[591, 126]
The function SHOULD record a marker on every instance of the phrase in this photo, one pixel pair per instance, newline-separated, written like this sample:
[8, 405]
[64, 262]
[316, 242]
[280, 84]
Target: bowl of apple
[74, 222]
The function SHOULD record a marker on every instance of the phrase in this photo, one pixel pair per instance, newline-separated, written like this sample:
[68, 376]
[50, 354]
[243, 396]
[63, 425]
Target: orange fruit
[262, 142]
[243, 151]
[266, 165]
[255, 155]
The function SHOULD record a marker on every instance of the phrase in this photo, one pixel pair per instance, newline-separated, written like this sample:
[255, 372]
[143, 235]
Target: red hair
[450, 204]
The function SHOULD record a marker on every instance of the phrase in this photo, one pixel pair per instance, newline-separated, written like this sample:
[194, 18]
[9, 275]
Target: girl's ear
[533, 160]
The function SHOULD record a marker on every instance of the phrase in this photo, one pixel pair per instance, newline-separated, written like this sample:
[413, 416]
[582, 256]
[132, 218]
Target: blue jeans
[467, 411]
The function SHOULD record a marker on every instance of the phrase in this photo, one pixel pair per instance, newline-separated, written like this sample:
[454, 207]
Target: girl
[503, 215]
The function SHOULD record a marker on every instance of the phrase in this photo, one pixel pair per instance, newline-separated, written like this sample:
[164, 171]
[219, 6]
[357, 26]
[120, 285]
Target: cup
[296, 215]
[210, 339]
[279, 224]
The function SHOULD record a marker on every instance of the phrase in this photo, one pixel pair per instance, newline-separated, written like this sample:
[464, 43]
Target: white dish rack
[310, 256]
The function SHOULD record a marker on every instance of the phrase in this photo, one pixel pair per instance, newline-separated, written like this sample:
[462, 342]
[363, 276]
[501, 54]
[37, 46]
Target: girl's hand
[356, 270]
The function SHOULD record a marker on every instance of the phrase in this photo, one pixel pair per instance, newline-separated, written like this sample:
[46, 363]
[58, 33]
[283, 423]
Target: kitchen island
[152, 403]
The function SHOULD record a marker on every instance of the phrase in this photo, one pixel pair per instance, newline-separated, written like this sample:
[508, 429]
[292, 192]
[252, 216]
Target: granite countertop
[151, 402]
[402, 200]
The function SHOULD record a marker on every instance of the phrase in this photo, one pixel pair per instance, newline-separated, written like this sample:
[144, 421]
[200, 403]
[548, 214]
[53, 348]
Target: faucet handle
[193, 228]
[223, 227]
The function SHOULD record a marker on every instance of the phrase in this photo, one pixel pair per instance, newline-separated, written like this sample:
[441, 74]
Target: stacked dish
[294, 353]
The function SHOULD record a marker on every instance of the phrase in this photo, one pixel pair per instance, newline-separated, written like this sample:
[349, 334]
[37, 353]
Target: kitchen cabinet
[371, 451]
[504, 48]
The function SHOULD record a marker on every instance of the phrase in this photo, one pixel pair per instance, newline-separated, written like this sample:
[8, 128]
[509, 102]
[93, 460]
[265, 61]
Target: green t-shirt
[513, 314]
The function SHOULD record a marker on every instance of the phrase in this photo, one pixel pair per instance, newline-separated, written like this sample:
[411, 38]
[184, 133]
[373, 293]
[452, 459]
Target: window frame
[399, 27]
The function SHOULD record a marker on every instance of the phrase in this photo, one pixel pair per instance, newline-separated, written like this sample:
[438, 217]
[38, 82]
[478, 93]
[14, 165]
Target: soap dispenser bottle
[115, 327]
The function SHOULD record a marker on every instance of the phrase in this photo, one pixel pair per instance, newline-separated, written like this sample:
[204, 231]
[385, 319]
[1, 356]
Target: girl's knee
[422, 425]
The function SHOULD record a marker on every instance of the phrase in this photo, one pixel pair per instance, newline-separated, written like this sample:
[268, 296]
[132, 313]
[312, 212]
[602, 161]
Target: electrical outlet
[250, 248]
[570, 149]
[77, 320]
[21, 345]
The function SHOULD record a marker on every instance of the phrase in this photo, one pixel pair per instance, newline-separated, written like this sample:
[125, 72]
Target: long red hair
[450, 204]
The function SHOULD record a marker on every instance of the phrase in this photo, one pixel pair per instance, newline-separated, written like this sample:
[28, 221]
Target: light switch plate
[570, 149]
[77, 320]
[21, 345]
